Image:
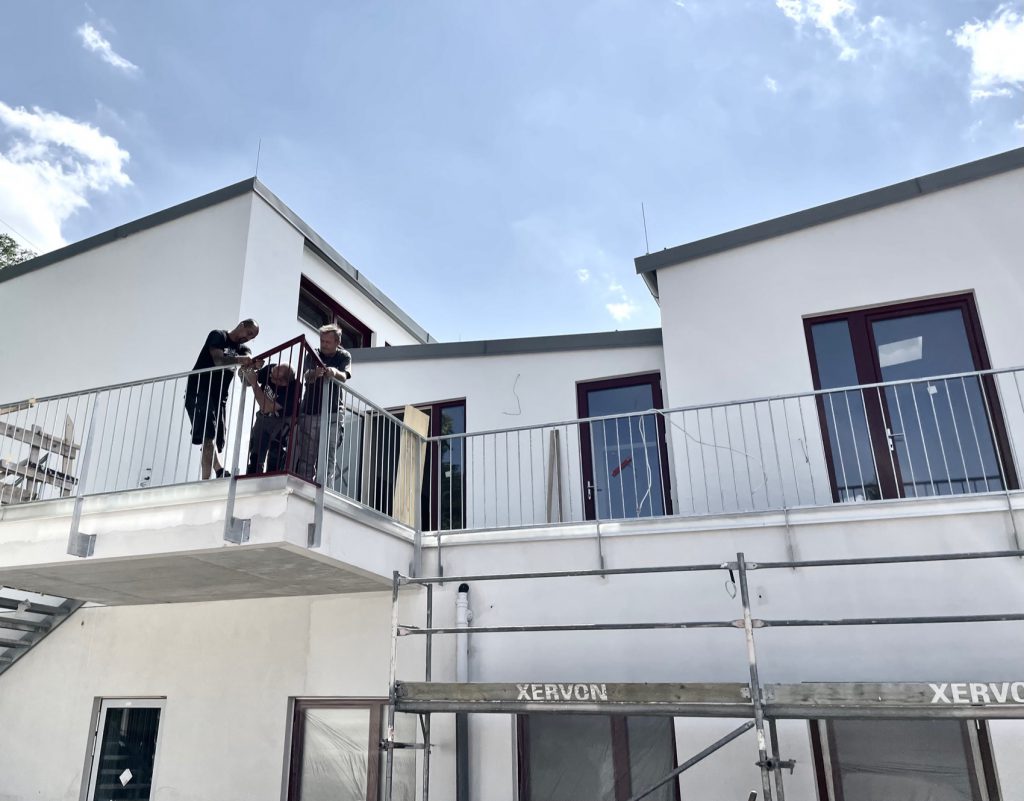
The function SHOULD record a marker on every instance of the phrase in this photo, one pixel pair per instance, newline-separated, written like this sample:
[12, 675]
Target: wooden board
[409, 474]
[38, 439]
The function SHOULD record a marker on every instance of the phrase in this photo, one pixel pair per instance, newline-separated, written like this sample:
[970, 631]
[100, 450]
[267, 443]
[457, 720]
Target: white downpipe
[463, 617]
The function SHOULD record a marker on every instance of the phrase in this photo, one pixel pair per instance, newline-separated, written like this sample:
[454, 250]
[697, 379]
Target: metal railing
[140, 434]
[945, 435]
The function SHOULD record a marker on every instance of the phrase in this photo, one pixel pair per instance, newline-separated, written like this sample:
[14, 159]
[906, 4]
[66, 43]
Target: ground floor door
[124, 749]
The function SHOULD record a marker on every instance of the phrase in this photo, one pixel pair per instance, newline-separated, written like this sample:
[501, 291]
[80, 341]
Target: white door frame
[106, 704]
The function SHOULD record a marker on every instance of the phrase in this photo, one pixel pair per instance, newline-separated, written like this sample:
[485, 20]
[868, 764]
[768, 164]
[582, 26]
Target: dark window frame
[621, 771]
[586, 451]
[986, 770]
[335, 311]
[869, 371]
[434, 410]
[295, 748]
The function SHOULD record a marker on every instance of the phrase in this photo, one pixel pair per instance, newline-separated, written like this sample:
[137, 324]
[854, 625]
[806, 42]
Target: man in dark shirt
[277, 393]
[338, 365]
[206, 393]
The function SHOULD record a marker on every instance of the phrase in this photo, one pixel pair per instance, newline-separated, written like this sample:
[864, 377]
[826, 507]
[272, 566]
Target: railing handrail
[722, 404]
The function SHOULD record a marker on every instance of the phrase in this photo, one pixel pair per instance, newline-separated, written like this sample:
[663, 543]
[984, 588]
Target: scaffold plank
[781, 701]
[896, 699]
[698, 700]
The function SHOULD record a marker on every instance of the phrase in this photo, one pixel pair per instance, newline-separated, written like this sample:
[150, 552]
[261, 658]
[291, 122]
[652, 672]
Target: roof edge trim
[494, 347]
[835, 210]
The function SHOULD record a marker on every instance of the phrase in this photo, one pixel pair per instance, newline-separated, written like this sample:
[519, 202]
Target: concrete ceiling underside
[224, 574]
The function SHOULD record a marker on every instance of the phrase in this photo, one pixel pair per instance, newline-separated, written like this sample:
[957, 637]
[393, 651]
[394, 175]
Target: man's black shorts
[207, 419]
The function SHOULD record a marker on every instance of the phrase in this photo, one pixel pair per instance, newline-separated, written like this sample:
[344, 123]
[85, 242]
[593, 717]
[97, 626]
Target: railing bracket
[80, 544]
[237, 531]
[777, 764]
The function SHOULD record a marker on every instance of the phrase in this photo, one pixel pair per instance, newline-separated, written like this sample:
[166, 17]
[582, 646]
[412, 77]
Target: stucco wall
[733, 322]
[131, 309]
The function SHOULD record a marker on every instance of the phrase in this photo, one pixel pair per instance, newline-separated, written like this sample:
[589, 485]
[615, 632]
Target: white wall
[276, 260]
[227, 670]
[135, 308]
[733, 322]
[502, 391]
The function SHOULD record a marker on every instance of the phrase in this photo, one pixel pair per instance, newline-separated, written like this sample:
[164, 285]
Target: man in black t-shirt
[337, 365]
[206, 393]
[277, 394]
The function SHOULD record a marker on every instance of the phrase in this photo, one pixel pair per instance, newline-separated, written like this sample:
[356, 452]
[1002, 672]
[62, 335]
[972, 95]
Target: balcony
[100, 497]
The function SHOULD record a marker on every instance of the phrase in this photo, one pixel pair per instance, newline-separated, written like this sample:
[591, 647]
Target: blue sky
[485, 162]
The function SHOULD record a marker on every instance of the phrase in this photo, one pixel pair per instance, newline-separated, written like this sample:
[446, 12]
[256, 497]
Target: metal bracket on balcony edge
[80, 544]
[237, 531]
[313, 536]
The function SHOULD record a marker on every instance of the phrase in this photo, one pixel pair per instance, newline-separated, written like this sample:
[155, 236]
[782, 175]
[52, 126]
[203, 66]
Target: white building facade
[830, 415]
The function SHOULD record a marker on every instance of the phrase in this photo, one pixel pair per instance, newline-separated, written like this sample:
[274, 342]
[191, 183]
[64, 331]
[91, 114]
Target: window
[336, 753]
[625, 460]
[595, 757]
[317, 308]
[937, 760]
[442, 498]
[920, 437]
[124, 746]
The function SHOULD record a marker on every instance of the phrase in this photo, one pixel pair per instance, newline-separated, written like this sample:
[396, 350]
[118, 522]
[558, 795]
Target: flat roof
[836, 210]
[313, 241]
[492, 347]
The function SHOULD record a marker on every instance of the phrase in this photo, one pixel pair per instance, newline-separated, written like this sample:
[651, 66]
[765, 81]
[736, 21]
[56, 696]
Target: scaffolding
[761, 704]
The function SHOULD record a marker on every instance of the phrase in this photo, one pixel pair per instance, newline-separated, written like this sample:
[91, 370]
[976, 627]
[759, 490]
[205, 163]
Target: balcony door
[625, 461]
[923, 436]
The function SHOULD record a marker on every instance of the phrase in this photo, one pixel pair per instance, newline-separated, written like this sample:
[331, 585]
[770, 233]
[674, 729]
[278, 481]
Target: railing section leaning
[944, 435]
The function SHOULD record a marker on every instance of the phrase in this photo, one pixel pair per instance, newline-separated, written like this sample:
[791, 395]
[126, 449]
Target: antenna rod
[259, 148]
[647, 244]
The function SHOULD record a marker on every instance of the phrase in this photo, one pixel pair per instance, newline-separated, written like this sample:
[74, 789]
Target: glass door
[625, 461]
[124, 750]
[925, 435]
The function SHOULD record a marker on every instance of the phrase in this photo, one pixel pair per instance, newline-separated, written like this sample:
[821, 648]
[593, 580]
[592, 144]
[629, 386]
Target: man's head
[281, 374]
[244, 331]
[330, 339]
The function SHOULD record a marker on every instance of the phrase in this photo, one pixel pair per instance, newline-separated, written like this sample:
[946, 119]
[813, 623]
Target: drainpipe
[463, 615]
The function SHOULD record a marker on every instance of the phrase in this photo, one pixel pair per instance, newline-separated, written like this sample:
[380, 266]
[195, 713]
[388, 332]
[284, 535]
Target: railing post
[422, 449]
[236, 531]
[323, 472]
[80, 544]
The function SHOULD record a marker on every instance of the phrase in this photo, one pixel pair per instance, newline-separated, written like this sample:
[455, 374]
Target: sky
[489, 164]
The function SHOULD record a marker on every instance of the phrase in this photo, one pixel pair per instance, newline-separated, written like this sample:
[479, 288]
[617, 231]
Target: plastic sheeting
[335, 760]
[902, 760]
[582, 757]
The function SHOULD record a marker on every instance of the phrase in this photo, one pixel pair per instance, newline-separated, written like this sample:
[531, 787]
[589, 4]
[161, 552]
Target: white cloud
[771, 84]
[622, 311]
[827, 16]
[49, 165]
[583, 274]
[93, 40]
[623, 307]
[997, 53]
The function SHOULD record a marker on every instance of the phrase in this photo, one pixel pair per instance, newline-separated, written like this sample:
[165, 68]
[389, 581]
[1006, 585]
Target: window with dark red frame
[595, 757]
[923, 433]
[442, 497]
[625, 459]
[317, 308]
[863, 760]
[335, 751]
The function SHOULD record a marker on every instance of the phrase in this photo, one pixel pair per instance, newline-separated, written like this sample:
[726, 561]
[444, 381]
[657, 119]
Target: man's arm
[265, 402]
